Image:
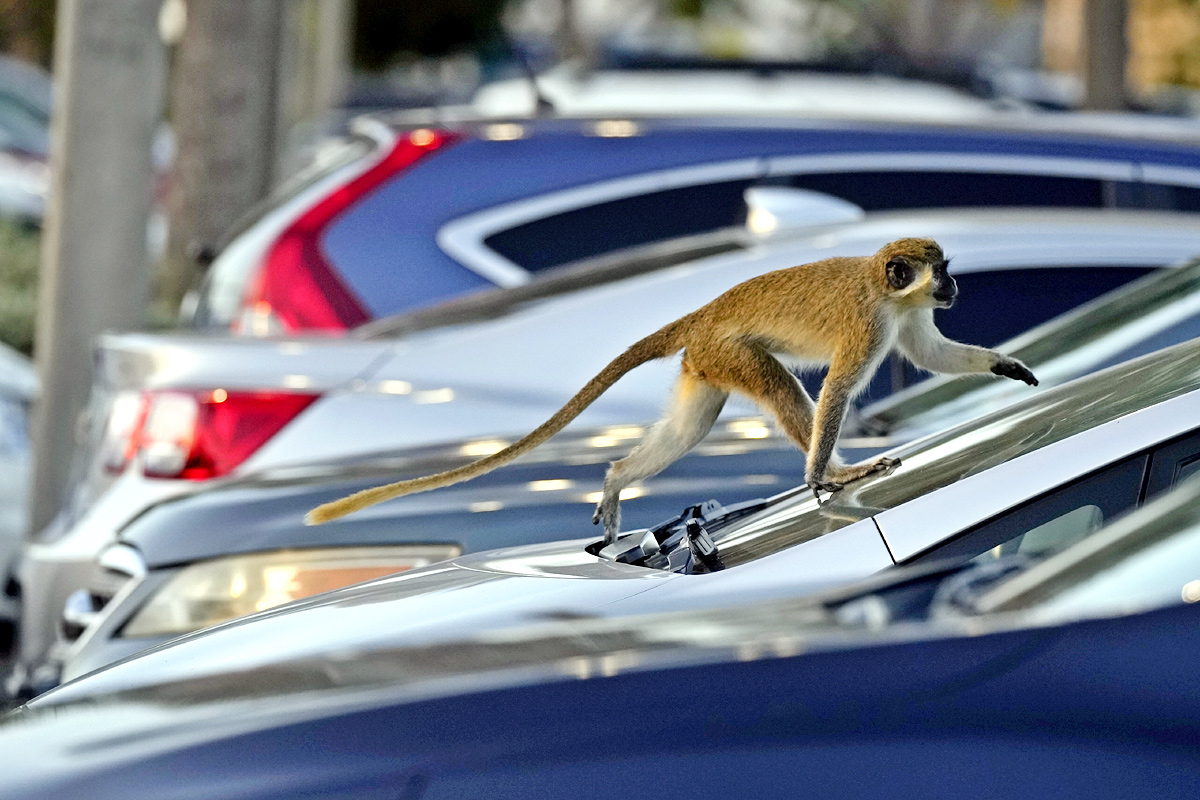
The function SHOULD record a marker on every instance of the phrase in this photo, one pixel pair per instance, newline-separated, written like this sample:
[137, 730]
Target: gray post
[1104, 54]
[224, 98]
[109, 70]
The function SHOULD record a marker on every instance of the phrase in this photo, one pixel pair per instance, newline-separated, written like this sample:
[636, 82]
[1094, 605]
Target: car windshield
[962, 451]
[1066, 345]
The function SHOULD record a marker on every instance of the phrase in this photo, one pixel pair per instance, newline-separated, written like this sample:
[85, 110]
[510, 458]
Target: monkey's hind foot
[823, 486]
[608, 512]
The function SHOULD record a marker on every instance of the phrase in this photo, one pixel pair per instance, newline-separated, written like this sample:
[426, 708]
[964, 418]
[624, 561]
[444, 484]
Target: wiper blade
[684, 543]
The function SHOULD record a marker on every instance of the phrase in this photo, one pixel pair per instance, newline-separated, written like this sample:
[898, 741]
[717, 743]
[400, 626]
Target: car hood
[496, 590]
[546, 496]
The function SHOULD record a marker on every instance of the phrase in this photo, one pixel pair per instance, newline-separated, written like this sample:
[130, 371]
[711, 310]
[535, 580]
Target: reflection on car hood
[546, 496]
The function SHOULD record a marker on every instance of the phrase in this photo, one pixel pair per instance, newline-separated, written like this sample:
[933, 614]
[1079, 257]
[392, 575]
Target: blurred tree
[385, 30]
[27, 29]
[224, 97]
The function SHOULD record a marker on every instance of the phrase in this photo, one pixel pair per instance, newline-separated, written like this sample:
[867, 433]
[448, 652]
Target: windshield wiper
[682, 544]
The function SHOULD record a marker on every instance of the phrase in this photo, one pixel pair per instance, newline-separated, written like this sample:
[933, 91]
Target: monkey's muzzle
[945, 299]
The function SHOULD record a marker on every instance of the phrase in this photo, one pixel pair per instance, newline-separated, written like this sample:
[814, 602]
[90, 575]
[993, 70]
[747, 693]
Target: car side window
[885, 189]
[1173, 463]
[618, 224]
[1054, 520]
[641, 219]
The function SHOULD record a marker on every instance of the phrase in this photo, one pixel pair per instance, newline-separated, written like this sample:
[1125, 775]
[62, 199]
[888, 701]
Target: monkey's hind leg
[694, 408]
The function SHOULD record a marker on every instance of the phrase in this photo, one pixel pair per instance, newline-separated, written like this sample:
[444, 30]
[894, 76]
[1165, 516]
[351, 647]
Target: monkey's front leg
[824, 472]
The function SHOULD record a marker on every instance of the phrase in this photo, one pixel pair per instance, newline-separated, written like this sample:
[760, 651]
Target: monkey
[844, 312]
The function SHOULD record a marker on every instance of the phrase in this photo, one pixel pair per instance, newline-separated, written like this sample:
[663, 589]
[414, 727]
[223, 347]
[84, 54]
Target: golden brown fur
[844, 312]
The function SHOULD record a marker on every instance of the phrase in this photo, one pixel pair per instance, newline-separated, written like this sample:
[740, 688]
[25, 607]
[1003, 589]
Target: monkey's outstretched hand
[1011, 368]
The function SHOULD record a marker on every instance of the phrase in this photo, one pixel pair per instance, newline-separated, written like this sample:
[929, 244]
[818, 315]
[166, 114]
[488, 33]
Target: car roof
[1136, 129]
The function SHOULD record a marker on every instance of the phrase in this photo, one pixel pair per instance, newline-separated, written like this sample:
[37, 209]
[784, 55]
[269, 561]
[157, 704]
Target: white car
[173, 410]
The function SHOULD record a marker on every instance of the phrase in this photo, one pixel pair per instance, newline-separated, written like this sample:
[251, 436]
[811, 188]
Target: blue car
[1071, 676]
[412, 211]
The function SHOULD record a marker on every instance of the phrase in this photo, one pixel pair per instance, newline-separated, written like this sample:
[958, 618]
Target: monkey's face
[917, 273]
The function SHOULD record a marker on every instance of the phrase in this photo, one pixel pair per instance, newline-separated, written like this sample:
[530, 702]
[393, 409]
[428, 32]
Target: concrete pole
[109, 70]
[1104, 54]
[224, 110]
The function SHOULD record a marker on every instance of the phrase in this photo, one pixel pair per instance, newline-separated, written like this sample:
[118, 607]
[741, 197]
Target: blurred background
[242, 92]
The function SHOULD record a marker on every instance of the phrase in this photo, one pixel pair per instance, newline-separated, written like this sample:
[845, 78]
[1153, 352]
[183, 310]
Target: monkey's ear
[899, 273]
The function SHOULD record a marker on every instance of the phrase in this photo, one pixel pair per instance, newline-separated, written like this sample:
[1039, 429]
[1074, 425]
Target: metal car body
[485, 378]
[1061, 462]
[18, 386]
[1069, 677]
[379, 225]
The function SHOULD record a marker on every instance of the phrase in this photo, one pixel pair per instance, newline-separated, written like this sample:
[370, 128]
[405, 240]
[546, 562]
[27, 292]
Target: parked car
[24, 140]
[18, 385]
[262, 514]
[1071, 677]
[379, 224]
[479, 370]
[25, 106]
[1061, 462]
[761, 89]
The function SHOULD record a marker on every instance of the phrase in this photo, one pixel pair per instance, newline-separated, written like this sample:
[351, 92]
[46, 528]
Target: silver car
[1030, 480]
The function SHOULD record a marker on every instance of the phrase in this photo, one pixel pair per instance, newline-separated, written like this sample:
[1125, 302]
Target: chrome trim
[1117, 170]
[463, 238]
[1179, 176]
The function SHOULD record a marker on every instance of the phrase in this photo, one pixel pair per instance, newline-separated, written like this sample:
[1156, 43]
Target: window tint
[1172, 463]
[631, 221]
[875, 191]
[1054, 521]
[1165, 196]
[618, 224]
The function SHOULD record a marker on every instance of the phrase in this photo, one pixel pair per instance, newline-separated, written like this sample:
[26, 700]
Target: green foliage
[18, 284]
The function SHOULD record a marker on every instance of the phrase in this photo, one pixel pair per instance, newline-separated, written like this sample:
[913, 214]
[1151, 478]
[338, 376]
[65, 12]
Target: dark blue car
[408, 213]
[1073, 676]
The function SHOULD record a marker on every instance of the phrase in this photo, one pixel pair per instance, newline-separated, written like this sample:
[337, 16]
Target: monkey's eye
[899, 273]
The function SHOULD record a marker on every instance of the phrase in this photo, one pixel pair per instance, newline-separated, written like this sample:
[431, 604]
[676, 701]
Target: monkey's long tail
[660, 344]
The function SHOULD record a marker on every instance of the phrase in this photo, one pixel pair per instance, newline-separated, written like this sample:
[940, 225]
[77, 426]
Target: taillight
[297, 288]
[201, 434]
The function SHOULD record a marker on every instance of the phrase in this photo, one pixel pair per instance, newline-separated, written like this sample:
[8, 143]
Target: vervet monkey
[845, 312]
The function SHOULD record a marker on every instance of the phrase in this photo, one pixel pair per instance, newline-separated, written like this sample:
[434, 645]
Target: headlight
[209, 592]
